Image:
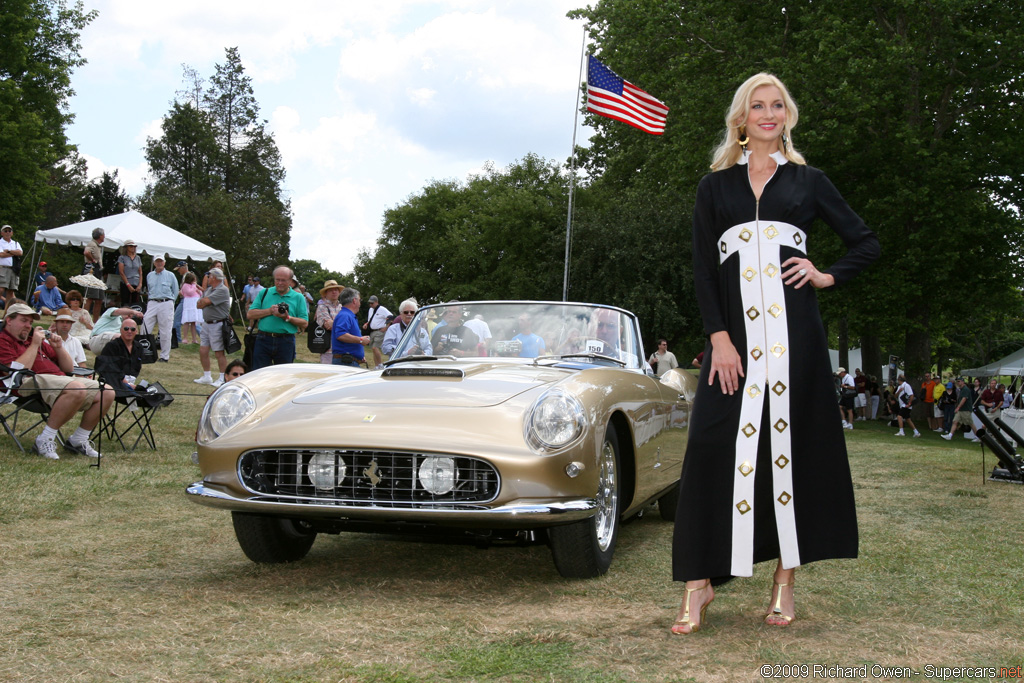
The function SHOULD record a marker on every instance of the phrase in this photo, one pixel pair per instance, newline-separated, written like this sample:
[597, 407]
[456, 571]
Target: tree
[104, 197]
[39, 51]
[499, 235]
[217, 173]
[908, 107]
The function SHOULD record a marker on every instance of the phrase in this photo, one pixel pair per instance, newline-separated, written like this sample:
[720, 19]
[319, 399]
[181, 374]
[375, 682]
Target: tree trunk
[871, 357]
[844, 343]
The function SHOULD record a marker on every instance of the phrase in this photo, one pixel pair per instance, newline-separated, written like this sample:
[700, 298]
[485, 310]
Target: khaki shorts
[377, 337]
[49, 387]
[8, 278]
[963, 417]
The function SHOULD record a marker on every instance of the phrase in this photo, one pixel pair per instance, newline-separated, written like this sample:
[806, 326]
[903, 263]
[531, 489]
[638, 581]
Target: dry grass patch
[111, 574]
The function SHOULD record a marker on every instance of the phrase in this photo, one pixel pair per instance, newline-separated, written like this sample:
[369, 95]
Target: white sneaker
[204, 380]
[216, 383]
[940, 429]
[968, 435]
[46, 448]
[899, 433]
[947, 437]
[975, 439]
[848, 426]
[85, 449]
[845, 424]
[917, 435]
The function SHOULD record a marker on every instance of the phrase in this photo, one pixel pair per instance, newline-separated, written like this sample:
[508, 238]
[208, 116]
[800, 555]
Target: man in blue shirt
[347, 345]
[41, 274]
[162, 289]
[47, 297]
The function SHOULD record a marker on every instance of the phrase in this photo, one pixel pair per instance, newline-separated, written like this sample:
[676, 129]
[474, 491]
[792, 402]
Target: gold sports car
[492, 420]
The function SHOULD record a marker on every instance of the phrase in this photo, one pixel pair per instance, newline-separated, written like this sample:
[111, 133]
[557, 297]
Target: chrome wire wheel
[607, 497]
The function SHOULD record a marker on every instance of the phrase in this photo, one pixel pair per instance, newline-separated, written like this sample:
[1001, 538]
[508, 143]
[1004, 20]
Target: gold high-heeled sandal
[685, 621]
[776, 612]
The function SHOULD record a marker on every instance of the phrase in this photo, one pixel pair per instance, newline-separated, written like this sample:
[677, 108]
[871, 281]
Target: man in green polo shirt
[281, 314]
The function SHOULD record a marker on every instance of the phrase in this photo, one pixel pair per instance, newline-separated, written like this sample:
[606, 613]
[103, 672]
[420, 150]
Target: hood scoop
[434, 373]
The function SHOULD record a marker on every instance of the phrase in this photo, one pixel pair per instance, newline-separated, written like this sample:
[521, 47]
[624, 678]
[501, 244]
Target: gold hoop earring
[743, 139]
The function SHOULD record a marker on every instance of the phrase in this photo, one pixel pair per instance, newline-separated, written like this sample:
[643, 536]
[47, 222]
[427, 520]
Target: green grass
[111, 574]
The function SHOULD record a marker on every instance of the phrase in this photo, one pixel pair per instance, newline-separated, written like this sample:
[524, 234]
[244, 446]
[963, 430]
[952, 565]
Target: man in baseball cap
[24, 346]
[9, 251]
[162, 290]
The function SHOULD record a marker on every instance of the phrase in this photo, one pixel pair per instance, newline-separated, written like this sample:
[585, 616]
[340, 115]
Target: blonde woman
[765, 475]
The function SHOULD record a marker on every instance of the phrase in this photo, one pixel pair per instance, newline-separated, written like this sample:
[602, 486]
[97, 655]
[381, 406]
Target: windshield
[517, 329]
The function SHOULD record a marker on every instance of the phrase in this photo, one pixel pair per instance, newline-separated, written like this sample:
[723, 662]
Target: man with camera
[25, 346]
[281, 312]
[215, 305]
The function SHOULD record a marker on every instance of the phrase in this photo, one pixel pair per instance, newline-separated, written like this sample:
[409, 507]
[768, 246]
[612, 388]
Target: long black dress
[766, 473]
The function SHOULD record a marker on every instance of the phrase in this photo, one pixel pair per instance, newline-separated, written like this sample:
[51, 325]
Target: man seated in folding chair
[25, 346]
[119, 365]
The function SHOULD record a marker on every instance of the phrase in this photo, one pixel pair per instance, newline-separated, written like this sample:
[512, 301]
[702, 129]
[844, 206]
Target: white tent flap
[151, 237]
[1011, 365]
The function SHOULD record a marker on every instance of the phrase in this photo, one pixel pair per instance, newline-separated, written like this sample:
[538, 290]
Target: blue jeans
[177, 322]
[273, 351]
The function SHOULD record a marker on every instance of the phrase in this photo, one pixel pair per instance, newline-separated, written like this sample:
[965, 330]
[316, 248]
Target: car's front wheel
[584, 549]
[271, 540]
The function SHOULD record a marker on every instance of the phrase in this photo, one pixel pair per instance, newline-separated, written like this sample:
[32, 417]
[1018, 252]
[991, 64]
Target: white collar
[778, 156]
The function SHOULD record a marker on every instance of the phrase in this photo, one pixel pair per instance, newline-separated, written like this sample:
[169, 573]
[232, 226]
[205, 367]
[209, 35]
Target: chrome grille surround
[282, 473]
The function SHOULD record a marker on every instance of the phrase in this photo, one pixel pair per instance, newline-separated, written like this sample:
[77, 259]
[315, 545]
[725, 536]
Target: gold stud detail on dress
[745, 235]
[771, 270]
[781, 462]
[784, 498]
[752, 313]
[775, 310]
[778, 350]
[754, 391]
[724, 247]
[743, 506]
[797, 238]
[771, 232]
[756, 352]
[746, 469]
[779, 388]
[749, 430]
[781, 425]
[749, 274]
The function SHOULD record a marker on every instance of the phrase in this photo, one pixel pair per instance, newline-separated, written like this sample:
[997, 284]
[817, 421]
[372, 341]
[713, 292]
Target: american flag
[608, 95]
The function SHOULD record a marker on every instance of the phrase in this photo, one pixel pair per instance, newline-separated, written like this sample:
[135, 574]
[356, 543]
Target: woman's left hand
[801, 271]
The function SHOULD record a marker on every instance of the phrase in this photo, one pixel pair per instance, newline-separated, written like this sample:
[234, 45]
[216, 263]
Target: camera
[282, 308]
[46, 334]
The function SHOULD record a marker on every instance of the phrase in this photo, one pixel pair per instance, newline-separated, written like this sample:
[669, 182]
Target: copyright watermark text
[928, 671]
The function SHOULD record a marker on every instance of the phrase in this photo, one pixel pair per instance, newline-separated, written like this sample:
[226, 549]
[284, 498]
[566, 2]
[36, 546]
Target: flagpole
[572, 170]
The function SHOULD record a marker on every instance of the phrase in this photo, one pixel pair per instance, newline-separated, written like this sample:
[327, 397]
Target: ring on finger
[802, 271]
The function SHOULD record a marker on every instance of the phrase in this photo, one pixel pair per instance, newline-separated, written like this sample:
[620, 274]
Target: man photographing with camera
[281, 315]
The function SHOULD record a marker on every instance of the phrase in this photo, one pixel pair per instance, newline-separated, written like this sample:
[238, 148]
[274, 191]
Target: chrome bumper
[515, 515]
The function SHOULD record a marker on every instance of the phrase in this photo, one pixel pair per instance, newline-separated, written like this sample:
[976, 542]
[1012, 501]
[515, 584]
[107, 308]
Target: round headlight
[556, 420]
[228, 406]
[437, 475]
[326, 471]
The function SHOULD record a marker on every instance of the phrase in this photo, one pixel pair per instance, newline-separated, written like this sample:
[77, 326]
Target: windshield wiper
[582, 355]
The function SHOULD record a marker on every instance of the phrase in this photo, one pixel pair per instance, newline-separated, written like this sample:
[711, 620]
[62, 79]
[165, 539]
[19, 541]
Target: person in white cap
[162, 290]
[62, 326]
[9, 249]
[129, 267]
[25, 346]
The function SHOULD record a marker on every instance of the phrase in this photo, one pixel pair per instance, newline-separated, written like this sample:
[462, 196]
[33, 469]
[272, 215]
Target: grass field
[112, 575]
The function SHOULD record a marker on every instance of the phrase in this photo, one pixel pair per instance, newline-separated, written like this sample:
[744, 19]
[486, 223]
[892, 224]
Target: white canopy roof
[1011, 365]
[151, 237]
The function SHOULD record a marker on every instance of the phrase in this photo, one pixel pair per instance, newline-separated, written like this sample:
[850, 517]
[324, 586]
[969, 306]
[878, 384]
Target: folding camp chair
[134, 411]
[12, 406]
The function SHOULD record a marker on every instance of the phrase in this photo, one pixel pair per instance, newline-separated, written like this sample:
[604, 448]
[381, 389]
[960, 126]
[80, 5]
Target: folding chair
[12, 406]
[134, 411]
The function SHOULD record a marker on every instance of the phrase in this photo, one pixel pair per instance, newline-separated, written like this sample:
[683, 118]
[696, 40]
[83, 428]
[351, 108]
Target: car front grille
[372, 478]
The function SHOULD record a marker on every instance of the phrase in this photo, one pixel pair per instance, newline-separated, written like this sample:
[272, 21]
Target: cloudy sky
[368, 101]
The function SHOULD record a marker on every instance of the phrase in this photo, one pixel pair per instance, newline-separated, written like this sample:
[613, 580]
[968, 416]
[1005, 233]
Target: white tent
[151, 237]
[1011, 365]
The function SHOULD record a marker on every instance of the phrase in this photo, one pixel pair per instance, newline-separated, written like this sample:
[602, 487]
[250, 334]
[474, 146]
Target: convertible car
[494, 420]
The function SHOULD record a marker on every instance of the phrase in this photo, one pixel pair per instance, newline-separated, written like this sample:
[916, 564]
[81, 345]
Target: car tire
[584, 549]
[668, 503]
[271, 540]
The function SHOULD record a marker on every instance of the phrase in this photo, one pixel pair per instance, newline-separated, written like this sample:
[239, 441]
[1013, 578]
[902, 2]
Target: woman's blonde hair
[728, 151]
